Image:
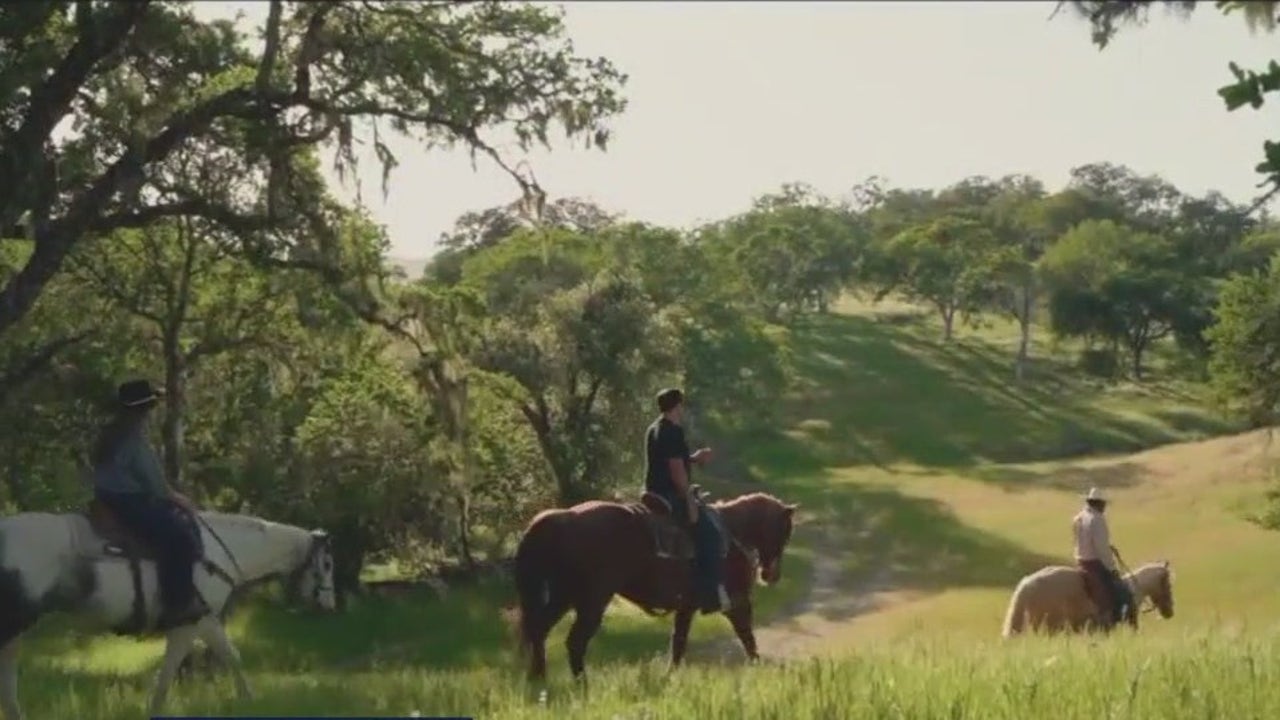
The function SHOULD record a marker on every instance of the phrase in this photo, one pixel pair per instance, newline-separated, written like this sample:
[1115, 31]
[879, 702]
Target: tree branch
[52, 99]
[271, 48]
[14, 378]
[201, 207]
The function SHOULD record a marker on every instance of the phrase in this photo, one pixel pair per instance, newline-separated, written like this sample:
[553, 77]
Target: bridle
[319, 541]
[1148, 603]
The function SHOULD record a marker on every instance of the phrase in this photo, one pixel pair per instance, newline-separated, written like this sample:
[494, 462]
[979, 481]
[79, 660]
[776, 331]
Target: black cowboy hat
[138, 393]
[669, 398]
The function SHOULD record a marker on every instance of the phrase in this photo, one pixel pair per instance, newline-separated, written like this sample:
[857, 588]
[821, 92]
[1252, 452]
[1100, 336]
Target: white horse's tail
[1016, 617]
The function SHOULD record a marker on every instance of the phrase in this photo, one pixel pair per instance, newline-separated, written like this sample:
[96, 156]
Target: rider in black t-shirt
[667, 466]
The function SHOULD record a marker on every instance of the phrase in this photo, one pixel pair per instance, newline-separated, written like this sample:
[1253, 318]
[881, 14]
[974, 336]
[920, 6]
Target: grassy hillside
[930, 483]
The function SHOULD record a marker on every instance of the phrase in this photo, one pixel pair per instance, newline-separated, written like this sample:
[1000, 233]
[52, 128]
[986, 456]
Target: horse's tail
[1016, 617]
[533, 575]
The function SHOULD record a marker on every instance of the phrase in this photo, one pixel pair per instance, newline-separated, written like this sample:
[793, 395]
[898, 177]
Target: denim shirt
[133, 469]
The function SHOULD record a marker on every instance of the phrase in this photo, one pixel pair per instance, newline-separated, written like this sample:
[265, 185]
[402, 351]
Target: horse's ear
[1164, 564]
[320, 535]
[791, 509]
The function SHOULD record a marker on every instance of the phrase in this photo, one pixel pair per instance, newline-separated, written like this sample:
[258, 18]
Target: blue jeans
[164, 527]
[1121, 596]
[707, 558]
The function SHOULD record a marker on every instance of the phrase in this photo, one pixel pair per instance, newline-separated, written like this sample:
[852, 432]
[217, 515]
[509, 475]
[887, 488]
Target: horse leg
[540, 627]
[177, 644]
[9, 681]
[740, 618]
[216, 637]
[586, 620]
[680, 634]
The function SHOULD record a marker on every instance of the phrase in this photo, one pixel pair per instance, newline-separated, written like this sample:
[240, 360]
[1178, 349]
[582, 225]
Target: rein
[212, 566]
[1147, 604]
[291, 577]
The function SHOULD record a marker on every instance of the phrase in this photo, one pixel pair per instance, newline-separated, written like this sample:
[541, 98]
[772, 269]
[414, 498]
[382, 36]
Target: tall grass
[1196, 676]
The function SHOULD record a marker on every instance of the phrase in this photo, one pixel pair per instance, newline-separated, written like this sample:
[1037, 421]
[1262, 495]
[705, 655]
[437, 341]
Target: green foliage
[950, 263]
[1246, 342]
[793, 252]
[1114, 284]
[147, 87]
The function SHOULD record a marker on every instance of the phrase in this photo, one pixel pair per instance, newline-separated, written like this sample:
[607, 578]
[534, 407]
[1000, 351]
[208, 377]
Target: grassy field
[930, 483]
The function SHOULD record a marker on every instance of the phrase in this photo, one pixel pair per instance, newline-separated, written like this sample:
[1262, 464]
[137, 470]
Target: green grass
[1193, 676]
[918, 464]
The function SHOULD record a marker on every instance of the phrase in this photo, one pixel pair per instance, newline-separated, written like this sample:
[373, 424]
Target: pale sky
[730, 100]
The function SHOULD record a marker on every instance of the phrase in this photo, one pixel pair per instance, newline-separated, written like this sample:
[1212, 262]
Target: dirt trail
[804, 629]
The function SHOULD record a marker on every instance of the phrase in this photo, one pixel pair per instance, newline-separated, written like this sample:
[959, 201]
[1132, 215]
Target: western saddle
[672, 537]
[119, 541]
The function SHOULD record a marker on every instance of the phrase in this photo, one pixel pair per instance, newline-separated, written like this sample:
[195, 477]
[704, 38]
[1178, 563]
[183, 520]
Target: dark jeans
[1117, 591]
[708, 560]
[164, 527]
[1124, 599]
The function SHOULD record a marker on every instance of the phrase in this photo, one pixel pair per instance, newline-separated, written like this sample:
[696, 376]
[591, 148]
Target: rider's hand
[703, 455]
[183, 501]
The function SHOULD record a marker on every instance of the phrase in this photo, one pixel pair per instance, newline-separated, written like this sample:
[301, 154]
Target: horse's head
[1156, 582]
[312, 581]
[764, 523]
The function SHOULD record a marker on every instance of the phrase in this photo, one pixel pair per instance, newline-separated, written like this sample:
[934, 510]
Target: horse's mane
[1160, 566]
[749, 499]
[246, 522]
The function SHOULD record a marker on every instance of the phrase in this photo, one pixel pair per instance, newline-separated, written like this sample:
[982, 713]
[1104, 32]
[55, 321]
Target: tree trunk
[1024, 335]
[464, 529]
[174, 407]
[560, 470]
[351, 545]
[948, 321]
[1024, 344]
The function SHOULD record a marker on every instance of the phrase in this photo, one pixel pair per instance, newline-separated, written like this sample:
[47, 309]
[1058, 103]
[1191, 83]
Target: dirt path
[805, 629]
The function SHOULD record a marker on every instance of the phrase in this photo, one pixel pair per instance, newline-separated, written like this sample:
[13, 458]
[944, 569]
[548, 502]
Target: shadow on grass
[909, 543]
[1068, 478]
[465, 629]
[874, 393]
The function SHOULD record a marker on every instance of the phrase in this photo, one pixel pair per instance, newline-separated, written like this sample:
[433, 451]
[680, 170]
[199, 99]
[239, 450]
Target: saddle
[672, 536]
[1101, 594]
[118, 541]
[116, 538]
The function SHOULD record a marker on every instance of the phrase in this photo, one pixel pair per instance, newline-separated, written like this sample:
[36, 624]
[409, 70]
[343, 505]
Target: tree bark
[174, 407]
[948, 321]
[1024, 335]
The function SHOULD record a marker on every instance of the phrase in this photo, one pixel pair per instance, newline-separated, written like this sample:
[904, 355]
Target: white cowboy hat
[1096, 495]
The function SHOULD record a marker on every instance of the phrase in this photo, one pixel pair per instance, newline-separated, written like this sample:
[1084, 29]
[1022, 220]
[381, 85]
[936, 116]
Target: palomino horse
[1055, 598]
[580, 557]
[83, 563]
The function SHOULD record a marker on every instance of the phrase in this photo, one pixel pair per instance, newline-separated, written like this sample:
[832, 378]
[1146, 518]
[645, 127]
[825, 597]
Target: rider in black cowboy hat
[128, 480]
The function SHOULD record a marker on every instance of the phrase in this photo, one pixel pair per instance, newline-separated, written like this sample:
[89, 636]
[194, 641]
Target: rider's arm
[674, 450]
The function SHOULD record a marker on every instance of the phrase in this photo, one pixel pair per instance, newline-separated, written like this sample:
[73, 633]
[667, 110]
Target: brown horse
[580, 557]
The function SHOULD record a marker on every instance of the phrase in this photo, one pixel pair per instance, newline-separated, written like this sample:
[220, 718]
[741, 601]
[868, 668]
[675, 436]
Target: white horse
[64, 563]
[1055, 598]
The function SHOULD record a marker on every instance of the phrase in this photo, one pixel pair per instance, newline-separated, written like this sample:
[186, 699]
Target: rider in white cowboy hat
[1096, 556]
